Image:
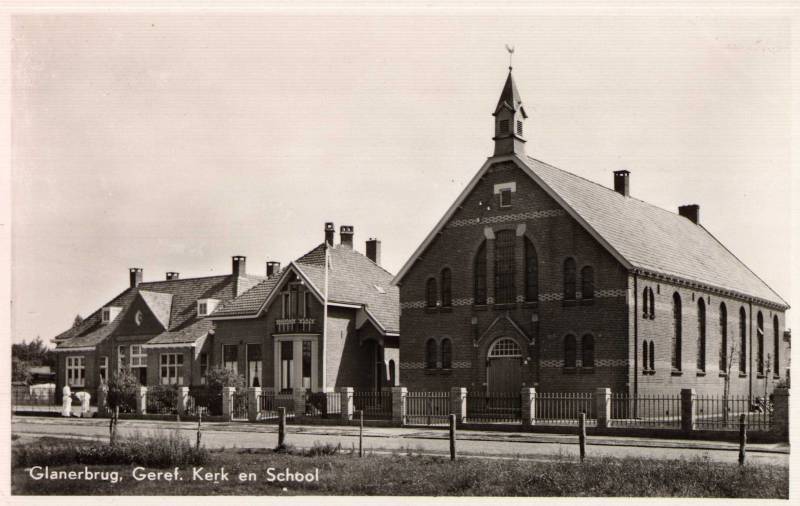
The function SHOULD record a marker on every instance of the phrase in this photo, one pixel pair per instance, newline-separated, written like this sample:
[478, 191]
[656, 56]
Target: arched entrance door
[504, 369]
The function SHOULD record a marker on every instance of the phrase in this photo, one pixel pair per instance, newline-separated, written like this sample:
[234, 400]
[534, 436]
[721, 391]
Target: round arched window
[505, 347]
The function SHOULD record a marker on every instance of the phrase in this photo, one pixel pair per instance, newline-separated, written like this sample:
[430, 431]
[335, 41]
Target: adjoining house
[158, 329]
[538, 277]
[328, 319]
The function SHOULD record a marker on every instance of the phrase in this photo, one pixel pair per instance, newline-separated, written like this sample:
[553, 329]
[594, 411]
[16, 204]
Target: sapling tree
[121, 387]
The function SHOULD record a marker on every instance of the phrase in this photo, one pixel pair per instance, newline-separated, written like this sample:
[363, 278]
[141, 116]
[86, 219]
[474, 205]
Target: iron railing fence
[37, 400]
[646, 411]
[427, 408]
[204, 401]
[162, 400]
[323, 404]
[718, 412]
[239, 405]
[563, 408]
[375, 405]
[269, 402]
[494, 407]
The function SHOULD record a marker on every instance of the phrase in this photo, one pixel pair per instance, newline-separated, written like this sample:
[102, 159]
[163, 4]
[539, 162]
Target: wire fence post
[452, 436]
[360, 432]
[742, 439]
[199, 421]
[281, 427]
[582, 434]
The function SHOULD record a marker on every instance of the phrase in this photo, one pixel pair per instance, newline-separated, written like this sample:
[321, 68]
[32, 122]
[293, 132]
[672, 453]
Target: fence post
[281, 427]
[602, 400]
[66, 401]
[360, 432]
[183, 400]
[528, 405]
[141, 400]
[227, 402]
[452, 419]
[299, 398]
[399, 398]
[102, 400]
[687, 409]
[742, 438]
[780, 412]
[458, 403]
[582, 434]
[346, 394]
[253, 403]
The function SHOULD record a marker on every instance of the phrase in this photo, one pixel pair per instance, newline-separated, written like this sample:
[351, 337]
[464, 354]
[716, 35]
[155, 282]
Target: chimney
[330, 230]
[273, 268]
[374, 250]
[136, 276]
[622, 182]
[690, 211]
[239, 265]
[346, 236]
[173, 275]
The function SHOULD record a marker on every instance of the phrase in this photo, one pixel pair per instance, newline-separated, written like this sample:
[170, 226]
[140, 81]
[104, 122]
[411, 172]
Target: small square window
[505, 198]
[201, 308]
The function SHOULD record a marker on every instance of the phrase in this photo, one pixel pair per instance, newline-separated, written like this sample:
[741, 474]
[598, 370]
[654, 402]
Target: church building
[538, 277]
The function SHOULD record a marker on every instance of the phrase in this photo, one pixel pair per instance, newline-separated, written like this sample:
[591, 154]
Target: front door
[504, 375]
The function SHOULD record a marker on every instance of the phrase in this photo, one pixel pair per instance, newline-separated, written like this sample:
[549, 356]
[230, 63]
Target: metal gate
[239, 405]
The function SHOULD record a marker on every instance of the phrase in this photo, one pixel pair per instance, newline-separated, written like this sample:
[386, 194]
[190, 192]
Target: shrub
[122, 390]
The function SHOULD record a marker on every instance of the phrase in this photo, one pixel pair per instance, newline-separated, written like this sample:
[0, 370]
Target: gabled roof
[352, 279]
[173, 303]
[643, 237]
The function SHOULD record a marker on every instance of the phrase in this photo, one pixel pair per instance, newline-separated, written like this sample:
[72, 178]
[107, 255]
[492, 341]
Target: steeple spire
[509, 118]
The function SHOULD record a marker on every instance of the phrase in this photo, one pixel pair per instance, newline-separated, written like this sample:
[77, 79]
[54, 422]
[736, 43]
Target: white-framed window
[102, 369]
[505, 347]
[138, 356]
[76, 371]
[171, 368]
[122, 363]
[206, 306]
[295, 302]
[230, 357]
[108, 314]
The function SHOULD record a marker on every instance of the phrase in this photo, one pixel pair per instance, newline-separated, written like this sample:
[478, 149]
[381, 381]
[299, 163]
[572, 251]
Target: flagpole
[325, 325]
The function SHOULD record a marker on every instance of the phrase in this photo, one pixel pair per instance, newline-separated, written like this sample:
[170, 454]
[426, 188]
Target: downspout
[750, 357]
[635, 337]
[325, 325]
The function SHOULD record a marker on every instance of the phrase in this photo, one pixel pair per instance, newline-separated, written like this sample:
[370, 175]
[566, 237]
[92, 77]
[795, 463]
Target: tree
[121, 388]
[36, 353]
[77, 321]
[216, 379]
[20, 371]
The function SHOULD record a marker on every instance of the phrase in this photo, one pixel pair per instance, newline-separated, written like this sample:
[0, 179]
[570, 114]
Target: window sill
[429, 309]
[723, 375]
[760, 375]
[776, 376]
[652, 317]
[701, 373]
[587, 302]
[569, 302]
[743, 374]
[569, 370]
[480, 307]
[438, 372]
[677, 373]
[530, 304]
[648, 372]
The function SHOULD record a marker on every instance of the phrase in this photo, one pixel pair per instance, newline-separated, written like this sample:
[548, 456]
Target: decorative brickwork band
[543, 297]
[457, 364]
[601, 362]
[505, 218]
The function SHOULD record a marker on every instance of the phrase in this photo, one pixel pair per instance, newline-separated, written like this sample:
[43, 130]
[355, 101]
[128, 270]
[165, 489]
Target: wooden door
[504, 375]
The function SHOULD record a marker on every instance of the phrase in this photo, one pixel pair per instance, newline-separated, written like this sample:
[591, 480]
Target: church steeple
[509, 120]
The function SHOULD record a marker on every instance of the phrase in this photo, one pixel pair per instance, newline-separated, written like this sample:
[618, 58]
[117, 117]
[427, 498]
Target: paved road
[416, 440]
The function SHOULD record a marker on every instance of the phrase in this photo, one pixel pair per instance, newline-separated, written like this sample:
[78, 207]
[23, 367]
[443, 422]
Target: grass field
[344, 473]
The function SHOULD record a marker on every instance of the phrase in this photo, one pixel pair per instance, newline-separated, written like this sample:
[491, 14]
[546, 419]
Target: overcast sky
[172, 142]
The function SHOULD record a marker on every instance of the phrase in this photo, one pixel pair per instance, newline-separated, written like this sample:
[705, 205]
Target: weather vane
[510, 50]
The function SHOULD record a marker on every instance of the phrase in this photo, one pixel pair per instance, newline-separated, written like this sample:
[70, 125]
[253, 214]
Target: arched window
[480, 275]
[569, 351]
[587, 351]
[677, 335]
[569, 279]
[723, 338]
[652, 356]
[645, 355]
[776, 344]
[531, 272]
[430, 293]
[430, 354]
[504, 292]
[742, 340]
[645, 297]
[701, 335]
[505, 348]
[587, 283]
[652, 303]
[447, 293]
[392, 374]
[447, 354]
[760, 343]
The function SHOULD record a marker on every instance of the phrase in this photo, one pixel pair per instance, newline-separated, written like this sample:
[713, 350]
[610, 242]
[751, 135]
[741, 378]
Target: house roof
[641, 236]
[352, 279]
[173, 303]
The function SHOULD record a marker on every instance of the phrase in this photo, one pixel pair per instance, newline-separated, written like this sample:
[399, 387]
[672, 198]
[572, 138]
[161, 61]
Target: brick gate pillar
[346, 394]
[399, 398]
[602, 406]
[227, 402]
[183, 400]
[458, 403]
[141, 401]
[253, 403]
[687, 409]
[528, 405]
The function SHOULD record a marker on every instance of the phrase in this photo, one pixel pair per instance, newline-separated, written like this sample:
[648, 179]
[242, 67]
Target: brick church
[539, 277]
